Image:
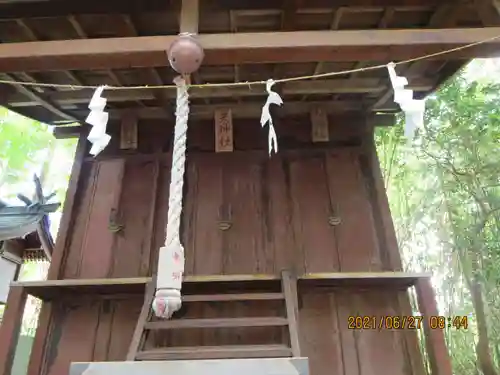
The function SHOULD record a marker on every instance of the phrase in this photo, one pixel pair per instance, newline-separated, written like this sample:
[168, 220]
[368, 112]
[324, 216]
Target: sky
[484, 69]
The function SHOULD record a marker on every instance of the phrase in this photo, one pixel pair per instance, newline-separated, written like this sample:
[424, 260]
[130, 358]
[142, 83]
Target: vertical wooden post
[188, 21]
[63, 236]
[434, 338]
[11, 325]
[189, 16]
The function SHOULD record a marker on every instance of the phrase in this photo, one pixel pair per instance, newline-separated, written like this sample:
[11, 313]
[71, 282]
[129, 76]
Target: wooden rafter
[387, 16]
[488, 11]
[33, 37]
[334, 25]
[82, 34]
[154, 76]
[288, 16]
[26, 29]
[61, 8]
[444, 16]
[40, 99]
[288, 21]
[228, 49]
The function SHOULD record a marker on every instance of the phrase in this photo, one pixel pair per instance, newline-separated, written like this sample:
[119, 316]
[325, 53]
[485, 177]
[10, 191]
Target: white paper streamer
[272, 98]
[413, 109]
[98, 119]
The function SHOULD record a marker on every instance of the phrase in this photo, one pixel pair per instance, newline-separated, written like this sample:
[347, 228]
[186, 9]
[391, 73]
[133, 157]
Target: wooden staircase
[145, 325]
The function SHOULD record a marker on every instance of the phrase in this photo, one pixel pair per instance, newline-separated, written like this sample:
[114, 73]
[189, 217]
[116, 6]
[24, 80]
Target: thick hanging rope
[171, 258]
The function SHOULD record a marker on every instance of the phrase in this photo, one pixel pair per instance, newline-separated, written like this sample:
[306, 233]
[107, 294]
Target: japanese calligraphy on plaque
[319, 126]
[223, 130]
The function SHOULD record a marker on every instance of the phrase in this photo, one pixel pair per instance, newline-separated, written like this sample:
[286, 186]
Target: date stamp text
[362, 322]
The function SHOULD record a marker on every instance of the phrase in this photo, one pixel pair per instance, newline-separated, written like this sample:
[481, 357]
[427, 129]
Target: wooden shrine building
[280, 251]
[24, 235]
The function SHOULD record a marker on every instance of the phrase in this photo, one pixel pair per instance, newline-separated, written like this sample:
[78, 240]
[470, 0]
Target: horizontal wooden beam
[52, 289]
[62, 8]
[63, 132]
[248, 48]
[240, 110]
[311, 87]
[66, 132]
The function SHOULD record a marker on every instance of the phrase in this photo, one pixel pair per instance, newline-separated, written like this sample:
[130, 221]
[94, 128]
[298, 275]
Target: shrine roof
[29, 223]
[74, 44]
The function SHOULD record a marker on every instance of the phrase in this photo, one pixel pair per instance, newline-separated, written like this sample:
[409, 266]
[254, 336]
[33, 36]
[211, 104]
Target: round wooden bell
[185, 54]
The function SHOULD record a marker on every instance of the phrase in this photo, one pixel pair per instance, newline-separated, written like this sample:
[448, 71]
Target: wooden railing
[55, 289]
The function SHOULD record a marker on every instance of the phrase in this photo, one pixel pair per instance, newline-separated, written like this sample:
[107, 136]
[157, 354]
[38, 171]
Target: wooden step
[233, 297]
[217, 323]
[202, 290]
[214, 352]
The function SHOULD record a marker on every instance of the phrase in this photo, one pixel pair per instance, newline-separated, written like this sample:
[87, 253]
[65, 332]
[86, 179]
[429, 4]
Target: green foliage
[28, 147]
[22, 143]
[444, 191]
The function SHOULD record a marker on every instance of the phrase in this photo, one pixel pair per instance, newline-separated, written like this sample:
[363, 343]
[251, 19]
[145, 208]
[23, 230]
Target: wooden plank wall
[280, 212]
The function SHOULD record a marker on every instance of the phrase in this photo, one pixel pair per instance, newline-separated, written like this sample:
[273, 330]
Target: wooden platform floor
[53, 289]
